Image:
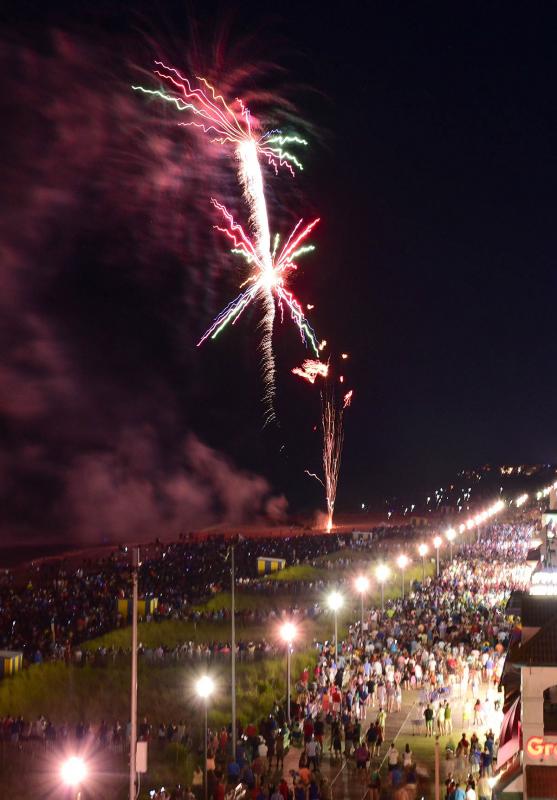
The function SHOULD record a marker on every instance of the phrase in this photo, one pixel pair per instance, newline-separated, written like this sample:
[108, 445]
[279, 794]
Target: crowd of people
[48, 609]
[442, 645]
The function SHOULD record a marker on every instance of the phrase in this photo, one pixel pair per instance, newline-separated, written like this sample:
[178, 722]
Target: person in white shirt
[392, 756]
[471, 791]
[262, 748]
[312, 752]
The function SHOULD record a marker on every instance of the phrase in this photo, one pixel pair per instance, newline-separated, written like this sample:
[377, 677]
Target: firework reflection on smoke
[311, 369]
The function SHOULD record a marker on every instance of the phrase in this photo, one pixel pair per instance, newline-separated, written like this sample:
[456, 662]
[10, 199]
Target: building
[527, 756]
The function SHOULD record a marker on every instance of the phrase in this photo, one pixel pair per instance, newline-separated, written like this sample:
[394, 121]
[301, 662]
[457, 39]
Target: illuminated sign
[538, 748]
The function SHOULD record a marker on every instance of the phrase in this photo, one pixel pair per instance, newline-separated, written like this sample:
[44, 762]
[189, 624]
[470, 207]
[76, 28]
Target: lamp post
[402, 562]
[451, 536]
[382, 572]
[205, 688]
[288, 634]
[233, 648]
[422, 551]
[335, 602]
[136, 563]
[73, 772]
[362, 585]
[437, 542]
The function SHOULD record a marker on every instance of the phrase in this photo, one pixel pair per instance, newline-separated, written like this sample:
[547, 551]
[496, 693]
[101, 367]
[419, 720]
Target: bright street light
[73, 771]
[288, 633]
[382, 572]
[362, 584]
[402, 561]
[204, 687]
[334, 601]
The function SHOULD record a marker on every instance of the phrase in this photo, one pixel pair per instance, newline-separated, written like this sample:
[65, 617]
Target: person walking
[441, 719]
[428, 716]
[362, 757]
[374, 786]
[484, 787]
[392, 757]
[448, 718]
[382, 721]
[312, 753]
[371, 738]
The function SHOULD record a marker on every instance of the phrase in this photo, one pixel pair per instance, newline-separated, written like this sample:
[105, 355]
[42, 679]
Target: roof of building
[541, 782]
[540, 650]
[536, 611]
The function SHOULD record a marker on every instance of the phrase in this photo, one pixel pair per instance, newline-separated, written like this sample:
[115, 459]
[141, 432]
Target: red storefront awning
[509, 738]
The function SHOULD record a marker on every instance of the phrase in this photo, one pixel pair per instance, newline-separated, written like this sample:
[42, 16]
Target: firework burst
[268, 279]
[332, 425]
[227, 125]
[311, 369]
[332, 422]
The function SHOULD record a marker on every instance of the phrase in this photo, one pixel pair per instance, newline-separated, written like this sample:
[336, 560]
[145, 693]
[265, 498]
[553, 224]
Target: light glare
[205, 687]
[73, 771]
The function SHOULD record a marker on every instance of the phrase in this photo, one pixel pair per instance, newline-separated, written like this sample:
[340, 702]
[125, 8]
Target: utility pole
[288, 679]
[133, 730]
[437, 769]
[233, 649]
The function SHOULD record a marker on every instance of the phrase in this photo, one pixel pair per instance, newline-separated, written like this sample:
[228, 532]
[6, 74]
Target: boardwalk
[342, 776]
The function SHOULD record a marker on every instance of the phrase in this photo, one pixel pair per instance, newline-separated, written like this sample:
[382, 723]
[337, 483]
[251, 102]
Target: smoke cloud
[108, 269]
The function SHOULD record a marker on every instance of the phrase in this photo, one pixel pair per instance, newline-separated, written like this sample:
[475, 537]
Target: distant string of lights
[545, 491]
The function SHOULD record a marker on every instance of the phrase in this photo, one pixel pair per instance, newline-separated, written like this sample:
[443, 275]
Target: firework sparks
[212, 114]
[311, 369]
[332, 424]
[332, 421]
[265, 280]
[314, 475]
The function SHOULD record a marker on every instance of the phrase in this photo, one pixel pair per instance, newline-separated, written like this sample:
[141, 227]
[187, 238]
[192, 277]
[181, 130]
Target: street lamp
[204, 688]
[288, 634]
[451, 536]
[335, 602]
[73, 772]
[402, 562]
[382, 572]
[422, 550]
[437, 542]
[362, 585]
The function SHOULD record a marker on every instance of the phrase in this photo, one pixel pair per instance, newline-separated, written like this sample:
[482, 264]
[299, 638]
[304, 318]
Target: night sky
[432, 166]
